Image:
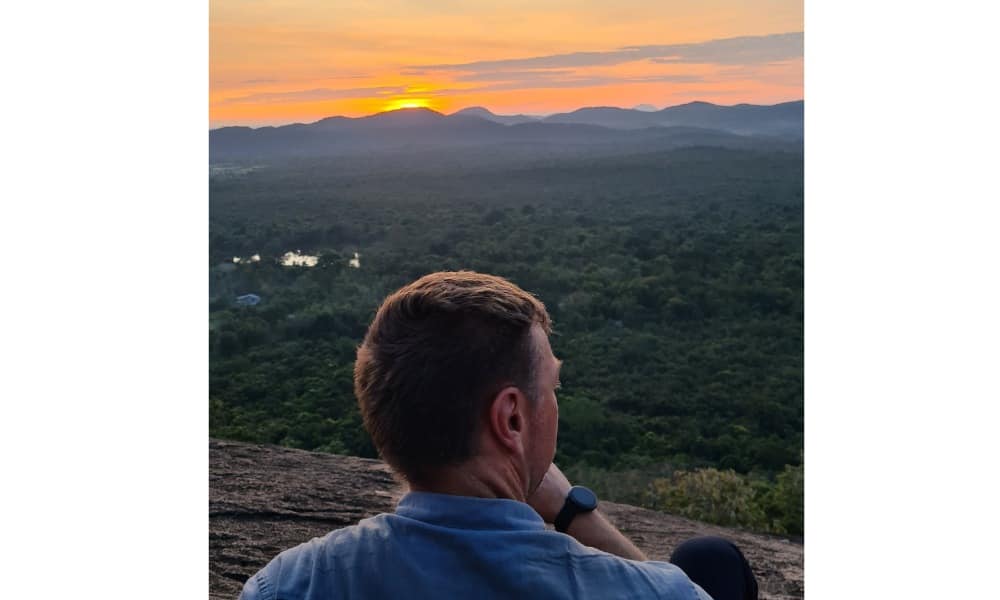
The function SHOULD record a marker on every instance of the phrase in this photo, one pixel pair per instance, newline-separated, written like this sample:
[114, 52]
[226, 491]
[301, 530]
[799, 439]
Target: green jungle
[674, 279]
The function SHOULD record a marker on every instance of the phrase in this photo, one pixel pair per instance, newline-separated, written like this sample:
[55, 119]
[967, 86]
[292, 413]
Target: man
[456, 382]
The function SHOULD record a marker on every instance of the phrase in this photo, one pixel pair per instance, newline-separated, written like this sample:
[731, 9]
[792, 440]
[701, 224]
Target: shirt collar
[466, 512]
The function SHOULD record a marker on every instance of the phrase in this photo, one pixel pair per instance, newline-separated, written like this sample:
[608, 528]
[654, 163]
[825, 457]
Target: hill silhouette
[784, 120]
[485, 113]
[265, 499]
[693, 124]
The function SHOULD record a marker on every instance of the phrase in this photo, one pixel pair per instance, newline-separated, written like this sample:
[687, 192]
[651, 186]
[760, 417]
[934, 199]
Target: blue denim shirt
[441, 546]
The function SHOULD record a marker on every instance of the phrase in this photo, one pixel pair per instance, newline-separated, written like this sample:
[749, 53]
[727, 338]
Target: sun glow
[272, 65]
[398, 103]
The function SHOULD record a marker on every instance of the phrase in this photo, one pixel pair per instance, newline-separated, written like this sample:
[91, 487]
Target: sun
[399, 103]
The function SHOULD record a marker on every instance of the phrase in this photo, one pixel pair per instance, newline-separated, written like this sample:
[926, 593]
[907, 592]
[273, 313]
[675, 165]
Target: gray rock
[265, 499]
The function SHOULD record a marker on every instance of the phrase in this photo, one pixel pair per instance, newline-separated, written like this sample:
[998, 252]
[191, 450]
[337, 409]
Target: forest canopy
[673, 277]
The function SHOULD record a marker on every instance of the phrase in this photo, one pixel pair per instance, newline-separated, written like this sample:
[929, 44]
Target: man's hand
[590, 529]
[549, 497]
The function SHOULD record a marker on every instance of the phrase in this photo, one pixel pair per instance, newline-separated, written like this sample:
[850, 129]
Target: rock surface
[265, 499]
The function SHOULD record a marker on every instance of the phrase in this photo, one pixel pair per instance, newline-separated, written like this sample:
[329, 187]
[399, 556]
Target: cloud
[513, 81]
[730, 51]
[560, 81]
[514, 75]
[529, 80]
[777, 73]
[574, 82]
[738, 58]
[314, 95]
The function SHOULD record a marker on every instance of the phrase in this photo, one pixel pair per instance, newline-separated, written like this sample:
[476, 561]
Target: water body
[224, 171]
[297, 259]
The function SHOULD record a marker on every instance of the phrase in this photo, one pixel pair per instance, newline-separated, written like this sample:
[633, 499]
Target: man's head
[438, 360]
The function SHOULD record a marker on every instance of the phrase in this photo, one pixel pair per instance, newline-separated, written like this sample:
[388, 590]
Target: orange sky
[284, 61]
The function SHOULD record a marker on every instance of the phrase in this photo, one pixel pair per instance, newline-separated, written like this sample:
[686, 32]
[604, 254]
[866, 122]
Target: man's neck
[477, 478]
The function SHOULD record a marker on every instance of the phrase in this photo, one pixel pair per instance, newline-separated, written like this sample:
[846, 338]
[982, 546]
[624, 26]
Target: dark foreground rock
[264, 499]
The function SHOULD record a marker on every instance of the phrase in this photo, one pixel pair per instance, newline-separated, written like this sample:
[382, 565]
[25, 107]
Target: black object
[579, 500]
[718, 566]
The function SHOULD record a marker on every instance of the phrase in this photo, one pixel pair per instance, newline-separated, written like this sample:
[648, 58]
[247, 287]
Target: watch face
[583, 498]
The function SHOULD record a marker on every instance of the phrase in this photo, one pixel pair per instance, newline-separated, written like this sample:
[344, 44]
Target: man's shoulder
[649, 578]
[294, 570]
[333, 544]
[342, 559]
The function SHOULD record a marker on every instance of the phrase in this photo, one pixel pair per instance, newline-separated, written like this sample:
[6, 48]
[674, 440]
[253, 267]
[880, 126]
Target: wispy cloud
[560, 78]
[314, 95]
[578, 82]
[515, 81]
[732, 58]
[730, 51]
[276, 79]
[514, 75]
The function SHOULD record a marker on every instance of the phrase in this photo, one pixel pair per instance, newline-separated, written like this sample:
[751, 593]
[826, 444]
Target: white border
[901, 300]
[103, 304]
[105, 236]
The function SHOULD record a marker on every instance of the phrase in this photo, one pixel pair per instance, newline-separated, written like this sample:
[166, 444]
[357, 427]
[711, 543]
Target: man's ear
[508, 418]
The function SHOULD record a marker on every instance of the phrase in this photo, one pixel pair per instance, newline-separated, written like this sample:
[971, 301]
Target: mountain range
[694, 123]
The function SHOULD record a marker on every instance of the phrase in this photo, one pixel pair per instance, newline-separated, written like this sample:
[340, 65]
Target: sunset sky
[284, 61]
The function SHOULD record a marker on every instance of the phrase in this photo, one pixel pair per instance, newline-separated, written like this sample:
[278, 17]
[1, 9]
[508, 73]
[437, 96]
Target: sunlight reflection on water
[296, 259]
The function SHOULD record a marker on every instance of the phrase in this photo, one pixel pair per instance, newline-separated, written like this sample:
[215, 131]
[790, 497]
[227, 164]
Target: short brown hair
[437, 351]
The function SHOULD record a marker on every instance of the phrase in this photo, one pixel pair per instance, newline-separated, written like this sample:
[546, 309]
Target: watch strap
[565, 516]
[573, 507]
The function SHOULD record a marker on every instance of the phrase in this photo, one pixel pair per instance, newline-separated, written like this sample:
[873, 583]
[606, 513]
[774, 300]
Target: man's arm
[590, 529]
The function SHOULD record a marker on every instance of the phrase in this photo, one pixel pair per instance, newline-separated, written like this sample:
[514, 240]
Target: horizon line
[538, 116]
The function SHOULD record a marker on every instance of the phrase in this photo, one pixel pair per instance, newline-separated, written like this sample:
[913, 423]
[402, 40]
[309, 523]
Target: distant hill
[694, 124]
[606, 116]
[483, 113]
[265, 499]
[783, 120]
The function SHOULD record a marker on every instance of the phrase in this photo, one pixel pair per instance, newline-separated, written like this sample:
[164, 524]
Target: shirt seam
[265, 586]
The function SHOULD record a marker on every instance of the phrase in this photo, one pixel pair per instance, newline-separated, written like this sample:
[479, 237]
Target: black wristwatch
[580, 500]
